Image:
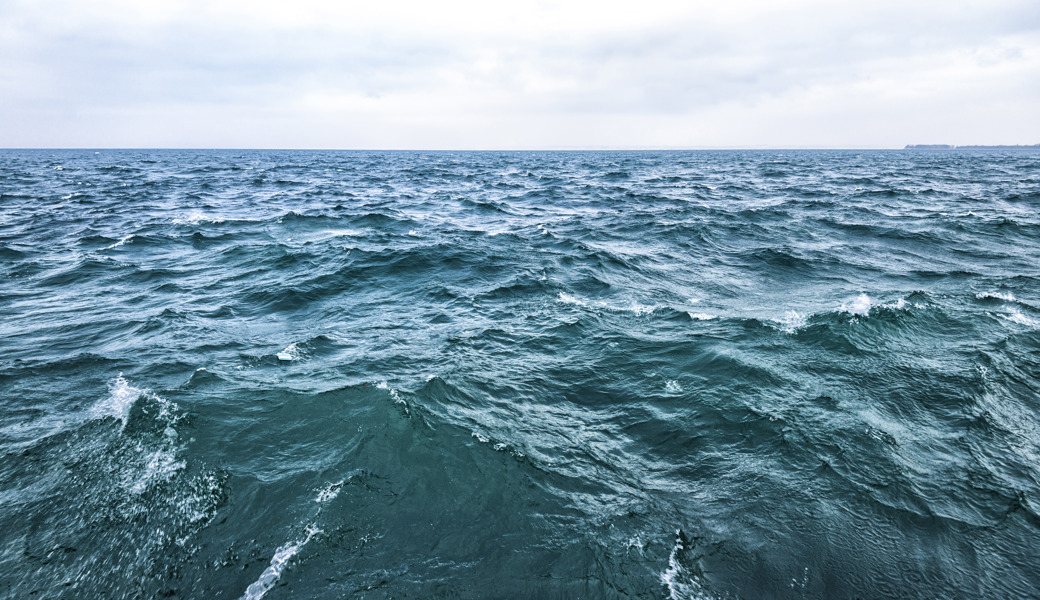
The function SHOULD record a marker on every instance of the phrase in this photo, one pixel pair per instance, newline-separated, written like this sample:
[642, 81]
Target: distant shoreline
[952, 147]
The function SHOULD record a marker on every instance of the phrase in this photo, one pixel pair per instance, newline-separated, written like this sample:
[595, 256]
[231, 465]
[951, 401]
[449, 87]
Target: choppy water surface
[519, 375]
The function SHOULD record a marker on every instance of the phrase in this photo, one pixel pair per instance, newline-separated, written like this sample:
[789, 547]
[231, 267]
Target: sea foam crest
[123, 240]
[153, 460]
[569, 299]
[1017, 317]
[498, 446]
[121, 396]
[383, 385]
[1006, 296]
[791, 322]
[635, 308]
[679, 580]
[330, 491]
[291, 352]
[159, 466]
[279, 561]
[860, 306]
[195, 217]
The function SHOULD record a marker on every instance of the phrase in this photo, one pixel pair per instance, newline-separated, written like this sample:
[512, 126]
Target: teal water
[261, 374]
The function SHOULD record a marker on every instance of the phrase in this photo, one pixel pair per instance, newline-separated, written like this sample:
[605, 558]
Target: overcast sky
[540, 74]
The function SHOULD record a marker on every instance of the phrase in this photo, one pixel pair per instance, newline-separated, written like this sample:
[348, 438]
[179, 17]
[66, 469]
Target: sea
[661, 375]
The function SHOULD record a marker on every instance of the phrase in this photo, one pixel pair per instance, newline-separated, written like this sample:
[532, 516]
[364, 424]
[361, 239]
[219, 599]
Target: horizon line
[542, 149]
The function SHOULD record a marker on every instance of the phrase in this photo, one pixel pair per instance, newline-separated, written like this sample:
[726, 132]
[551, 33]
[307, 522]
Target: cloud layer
[403, 74]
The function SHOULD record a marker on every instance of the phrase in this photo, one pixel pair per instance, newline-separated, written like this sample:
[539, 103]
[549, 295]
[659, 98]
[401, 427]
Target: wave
[683, 579]
[1005, 296]
[633, 307]
[121, 397]
[860, 306]
[92, 475]
[259, 588]
[233, 371]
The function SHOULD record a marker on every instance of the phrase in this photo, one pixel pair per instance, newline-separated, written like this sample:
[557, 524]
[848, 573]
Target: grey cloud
[54, 68]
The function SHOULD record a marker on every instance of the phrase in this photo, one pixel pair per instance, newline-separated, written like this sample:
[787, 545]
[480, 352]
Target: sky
[459, 74]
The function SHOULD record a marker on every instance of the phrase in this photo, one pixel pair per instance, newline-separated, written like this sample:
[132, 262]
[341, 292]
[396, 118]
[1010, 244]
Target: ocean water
[262, 374]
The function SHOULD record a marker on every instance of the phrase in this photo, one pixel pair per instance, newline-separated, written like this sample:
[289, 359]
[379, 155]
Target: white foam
[1017, 317]
[635, 308]
[291, 352]
[696, 316]
[1006, 296]
[121, 396]
[569, 299]
[791, 322]
[273, 572]
[123, 240]
[672, 387]
[393, 393]
[679, 581]
[195, 217]
[860, 306]
[329, 492]
[159, 467]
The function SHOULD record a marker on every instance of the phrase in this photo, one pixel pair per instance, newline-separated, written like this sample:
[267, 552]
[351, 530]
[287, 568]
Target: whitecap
[159, 467]
[193, 218]
[329, 492]
[121, 396]
[123, 240]
[291, 352]
[791, 322]
[635, 308]
[672, 387]
[697, 316]
[1006, 296]
[393, 393]
[1017, 317]
[860, 306]
[679, 580]
[569, 299]
[279, 561]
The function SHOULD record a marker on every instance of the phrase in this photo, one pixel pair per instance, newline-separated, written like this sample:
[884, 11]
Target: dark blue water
[238, 374]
